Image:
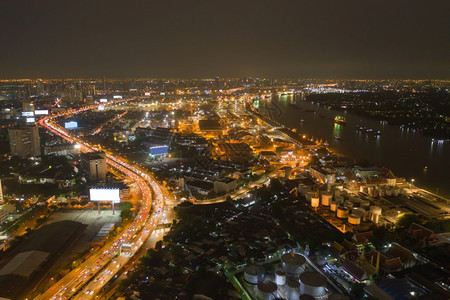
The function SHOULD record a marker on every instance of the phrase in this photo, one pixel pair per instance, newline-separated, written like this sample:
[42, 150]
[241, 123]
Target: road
[97, 270]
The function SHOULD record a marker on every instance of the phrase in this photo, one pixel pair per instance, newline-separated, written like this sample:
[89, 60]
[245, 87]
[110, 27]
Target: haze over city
[301, 39]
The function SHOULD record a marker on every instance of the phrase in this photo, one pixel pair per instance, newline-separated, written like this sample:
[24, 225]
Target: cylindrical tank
[364, 203]
[354, 219]
[312, 283]
[280, 277]
[337, 193]
[359, 211]
[293, 263]
[266, 290]
[370, 190]
[339, 199]
[382, 191]
[395, 191]
[309, 195]
[326, 198]
[333, 206]
[253, 273]
[361, 189]
[375, 213]
[348, 204]
[293, 289]
[342, 212]
[315, 202]
[375, 210]
[388, 192]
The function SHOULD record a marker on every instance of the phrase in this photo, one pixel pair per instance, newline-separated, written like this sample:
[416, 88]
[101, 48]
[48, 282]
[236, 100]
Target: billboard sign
[31, 120]
[159, 150]
[38, 112]
[71, 125]
[111, 195]
[27, 114]
[103, 100]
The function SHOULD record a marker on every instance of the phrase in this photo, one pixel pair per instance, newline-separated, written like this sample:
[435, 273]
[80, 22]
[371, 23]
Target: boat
[340, 120]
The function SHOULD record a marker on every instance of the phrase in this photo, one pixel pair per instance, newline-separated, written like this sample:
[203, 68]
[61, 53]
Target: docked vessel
[340, 120]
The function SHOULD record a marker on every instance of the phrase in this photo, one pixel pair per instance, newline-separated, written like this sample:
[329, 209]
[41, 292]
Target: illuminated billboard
[103, 100]
[70, 125]
[159, 150]
[117, 97]
[31, 120]
[97, 194]
[27, 114]
[38, 112]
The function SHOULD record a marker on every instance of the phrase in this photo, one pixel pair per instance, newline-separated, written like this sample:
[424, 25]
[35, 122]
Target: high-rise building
[24, 141]
[94, 165]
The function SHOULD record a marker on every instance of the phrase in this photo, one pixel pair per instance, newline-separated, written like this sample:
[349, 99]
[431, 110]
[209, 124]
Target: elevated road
[97, 270]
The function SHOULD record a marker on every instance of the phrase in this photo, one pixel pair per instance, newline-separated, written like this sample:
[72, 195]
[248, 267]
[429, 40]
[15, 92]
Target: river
[408, 154]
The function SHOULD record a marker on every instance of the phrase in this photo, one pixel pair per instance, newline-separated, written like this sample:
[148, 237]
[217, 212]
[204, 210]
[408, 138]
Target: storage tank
[266, 290]
[342, 212]
[313, 284]
[280, 277]
[309, 195]
[339, 199]
[375, 213]
[359, 211]
[293, 290]
[293, 263]
[348, 204]
[326, 199]
[395, 191]
[253, 273]
[382, 191]
[333, 206]
[362, 189]
[388, 192]
[354, 219]
[315, 202]
[371, 191]
[364, 203]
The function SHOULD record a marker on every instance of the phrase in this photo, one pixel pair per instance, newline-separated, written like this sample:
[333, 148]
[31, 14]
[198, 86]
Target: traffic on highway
[88, 279]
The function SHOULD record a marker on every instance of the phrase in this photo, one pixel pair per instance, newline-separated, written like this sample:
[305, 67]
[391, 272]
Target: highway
[88, 278]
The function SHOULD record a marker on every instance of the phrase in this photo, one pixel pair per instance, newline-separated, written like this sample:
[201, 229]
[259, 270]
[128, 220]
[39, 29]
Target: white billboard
[103, 100]
[31, 120]
[27, 114]
[38, 112]
[105, 195]
[117, 97]
[71, 125]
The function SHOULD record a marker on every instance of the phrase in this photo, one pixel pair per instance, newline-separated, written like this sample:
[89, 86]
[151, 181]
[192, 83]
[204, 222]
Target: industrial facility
[291, 276]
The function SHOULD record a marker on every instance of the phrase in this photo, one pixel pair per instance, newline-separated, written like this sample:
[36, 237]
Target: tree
[406, 220]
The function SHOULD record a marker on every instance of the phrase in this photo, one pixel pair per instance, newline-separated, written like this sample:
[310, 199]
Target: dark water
[405, 152]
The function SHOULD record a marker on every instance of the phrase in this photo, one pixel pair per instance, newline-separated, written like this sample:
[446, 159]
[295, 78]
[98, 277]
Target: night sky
[187, 38]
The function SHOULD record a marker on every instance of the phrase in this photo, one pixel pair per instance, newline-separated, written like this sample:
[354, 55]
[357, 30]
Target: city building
[94, 165]
[225, 185]
[24, 141]
[5, 211]
[62, 149]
